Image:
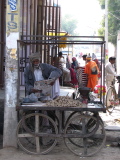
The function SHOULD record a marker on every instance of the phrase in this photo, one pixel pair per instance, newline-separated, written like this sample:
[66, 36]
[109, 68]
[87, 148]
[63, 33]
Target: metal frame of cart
[83, 130]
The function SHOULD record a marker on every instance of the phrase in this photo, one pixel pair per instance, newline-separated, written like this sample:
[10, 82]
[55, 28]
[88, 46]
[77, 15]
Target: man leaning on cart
[37, 71]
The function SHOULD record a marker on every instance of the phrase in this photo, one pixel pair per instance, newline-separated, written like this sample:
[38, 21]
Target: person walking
[73, 71]
[91, 69]
[110, 71]
[81, 75]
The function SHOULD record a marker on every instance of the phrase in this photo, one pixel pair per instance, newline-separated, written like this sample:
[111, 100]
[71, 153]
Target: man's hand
[52, 83]
[35, 90]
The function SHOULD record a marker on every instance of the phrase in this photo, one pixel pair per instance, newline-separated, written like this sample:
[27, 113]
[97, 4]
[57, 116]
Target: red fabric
[99, 88]
[73, 76]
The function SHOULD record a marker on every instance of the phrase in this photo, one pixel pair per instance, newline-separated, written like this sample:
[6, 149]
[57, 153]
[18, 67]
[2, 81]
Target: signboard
[13, 5]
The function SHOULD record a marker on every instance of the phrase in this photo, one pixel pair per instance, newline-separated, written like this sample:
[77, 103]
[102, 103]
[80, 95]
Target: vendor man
[37, 71]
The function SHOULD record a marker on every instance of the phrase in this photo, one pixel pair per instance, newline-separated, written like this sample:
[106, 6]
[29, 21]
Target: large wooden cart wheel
[84, 135]
[75, 113]
[36, 133]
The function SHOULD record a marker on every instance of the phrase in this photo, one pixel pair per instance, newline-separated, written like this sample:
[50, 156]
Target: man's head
[112, 60]
[84, 57]
[88, 58]
[73, 59]
[60, 54]
[35, 59]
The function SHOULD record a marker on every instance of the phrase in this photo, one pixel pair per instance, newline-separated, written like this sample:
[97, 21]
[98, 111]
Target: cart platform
[81, 128]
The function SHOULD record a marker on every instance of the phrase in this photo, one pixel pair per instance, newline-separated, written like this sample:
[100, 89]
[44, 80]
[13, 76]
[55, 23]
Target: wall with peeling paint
[11, 73]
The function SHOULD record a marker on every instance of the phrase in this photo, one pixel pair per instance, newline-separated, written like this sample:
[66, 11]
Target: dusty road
[60, 153]
[110, 151]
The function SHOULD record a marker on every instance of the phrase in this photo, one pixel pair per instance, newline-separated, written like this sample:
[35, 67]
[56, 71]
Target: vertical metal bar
[53, 12]
[26, 19]
[22, 4]
[103, 46]
[56, 15]
[59, 18]
[58, 30]
[45, 31]
[22, 21]
[35, 17]
[42, 26]
[42, 14]
[31, 20]
[18, 86]
[2, 40]
[37, 131]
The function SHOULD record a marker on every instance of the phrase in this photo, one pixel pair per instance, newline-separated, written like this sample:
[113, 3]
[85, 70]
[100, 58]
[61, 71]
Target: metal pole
[106, 28]
[118, 55]
[11, 73]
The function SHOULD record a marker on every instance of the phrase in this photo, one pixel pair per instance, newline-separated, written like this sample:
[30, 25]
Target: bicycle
[112, 98]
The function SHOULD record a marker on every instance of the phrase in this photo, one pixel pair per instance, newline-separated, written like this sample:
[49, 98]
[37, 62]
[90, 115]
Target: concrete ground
[110, 151]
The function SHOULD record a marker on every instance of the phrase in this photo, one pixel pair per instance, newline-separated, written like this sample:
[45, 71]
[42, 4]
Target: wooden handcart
[40, 126]
[82, 130]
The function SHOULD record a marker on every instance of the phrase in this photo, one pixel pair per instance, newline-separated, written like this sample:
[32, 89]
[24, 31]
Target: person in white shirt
[65, 70]
[110, 71]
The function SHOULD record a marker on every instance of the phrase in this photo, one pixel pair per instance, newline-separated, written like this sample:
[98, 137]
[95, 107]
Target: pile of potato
[64, 101]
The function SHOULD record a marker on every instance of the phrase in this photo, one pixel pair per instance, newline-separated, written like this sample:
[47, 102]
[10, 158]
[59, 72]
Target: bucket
[84, 91]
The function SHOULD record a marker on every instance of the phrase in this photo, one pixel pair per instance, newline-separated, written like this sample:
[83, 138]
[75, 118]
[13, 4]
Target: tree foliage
[102, 3]
[113, 20]
[69, 24]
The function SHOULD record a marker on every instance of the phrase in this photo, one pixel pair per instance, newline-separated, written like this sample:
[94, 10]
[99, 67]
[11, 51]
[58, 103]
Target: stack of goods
[64, 101]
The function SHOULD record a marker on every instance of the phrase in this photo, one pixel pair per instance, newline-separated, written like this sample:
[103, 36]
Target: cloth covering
[55, 89]
[92, 78]
[34, 56]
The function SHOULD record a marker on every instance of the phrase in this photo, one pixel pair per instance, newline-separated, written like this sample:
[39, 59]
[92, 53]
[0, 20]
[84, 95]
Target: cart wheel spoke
[38, 135]
[84, 135]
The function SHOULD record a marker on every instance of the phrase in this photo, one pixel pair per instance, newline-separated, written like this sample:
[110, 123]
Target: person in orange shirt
[91, 69]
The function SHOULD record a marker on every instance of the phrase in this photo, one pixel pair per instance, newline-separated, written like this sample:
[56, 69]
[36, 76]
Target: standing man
[81, 75]
[91, 69]
[37, 71]
[84, 57]
[64, 69]
[110, 71]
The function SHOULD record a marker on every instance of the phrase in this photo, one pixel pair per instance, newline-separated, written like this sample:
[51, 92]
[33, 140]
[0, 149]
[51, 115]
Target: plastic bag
[30, 98]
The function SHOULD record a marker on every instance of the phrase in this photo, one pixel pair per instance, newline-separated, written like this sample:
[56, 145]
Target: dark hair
[85, 55]
[112, 58]
[60, 54]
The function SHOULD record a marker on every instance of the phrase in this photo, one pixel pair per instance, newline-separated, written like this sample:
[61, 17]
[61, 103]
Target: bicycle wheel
[110, 99]
[87, 138]
[36, 134]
